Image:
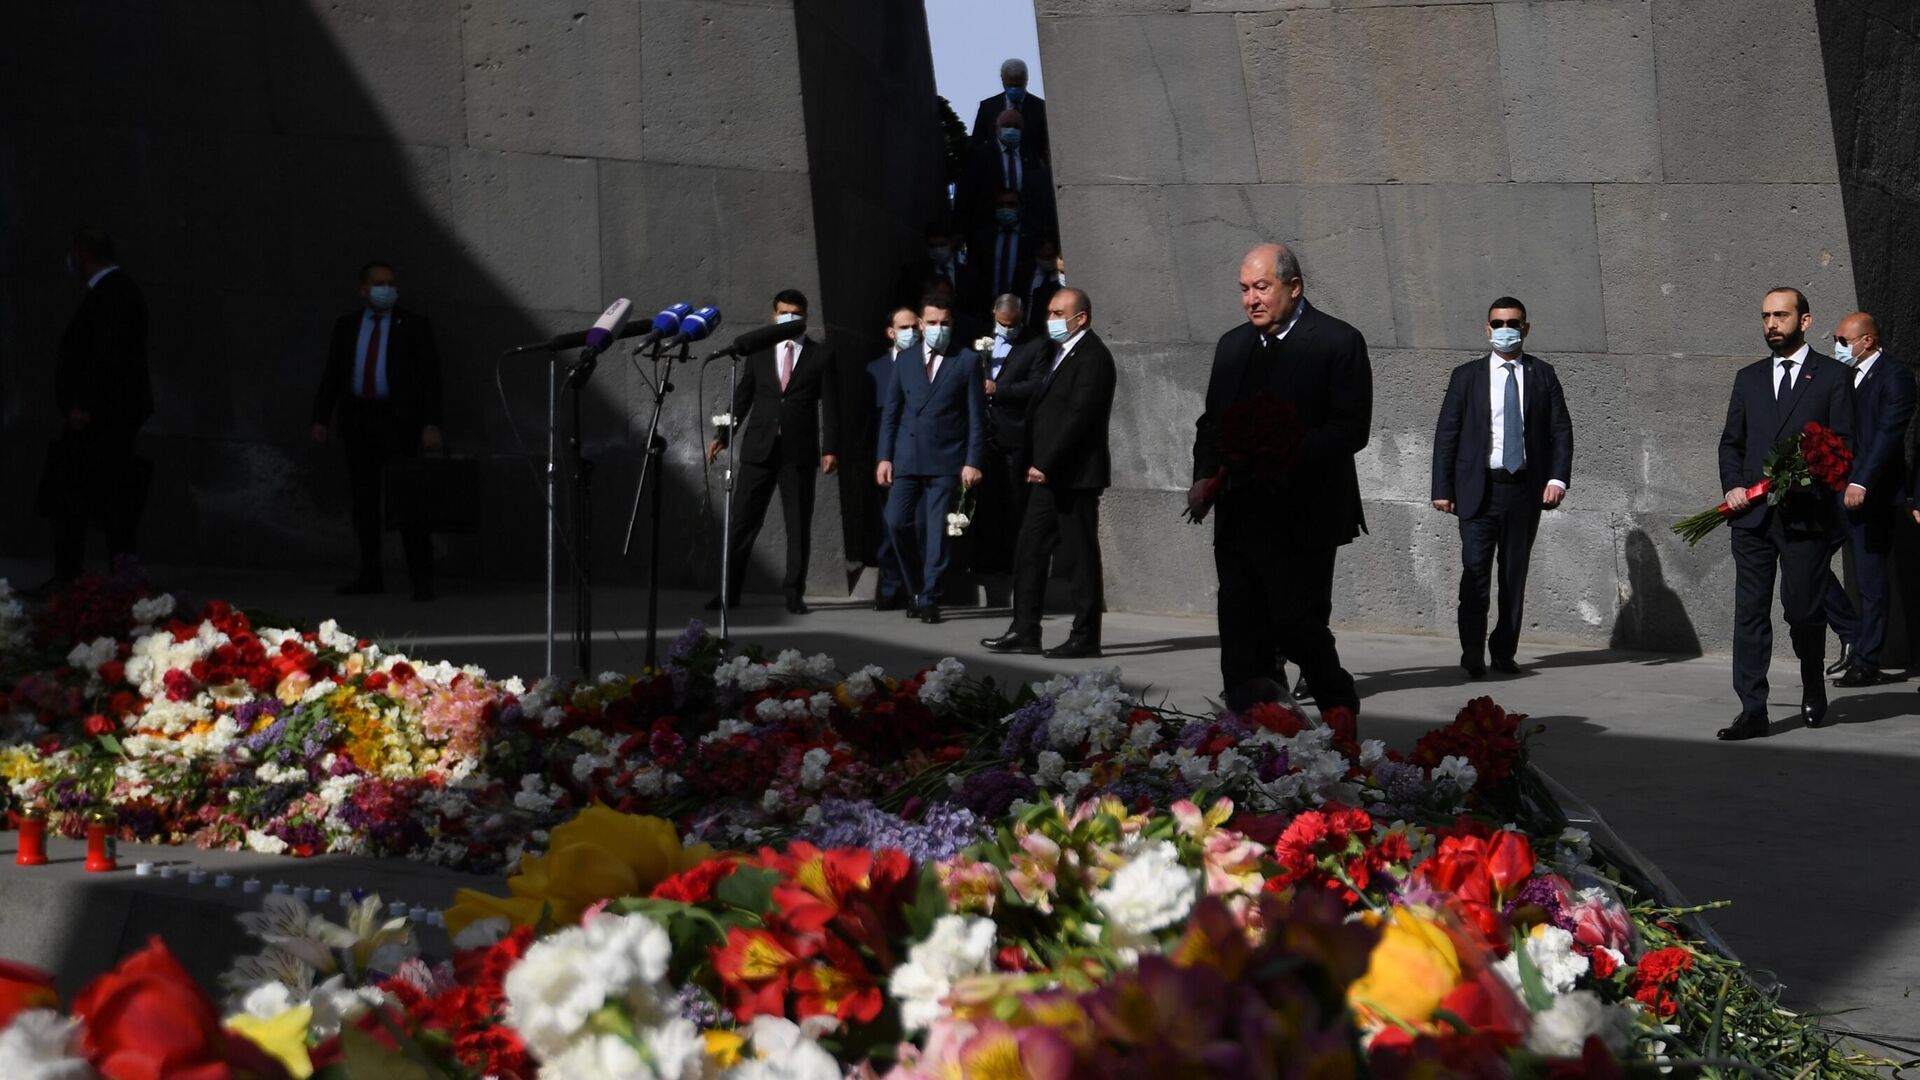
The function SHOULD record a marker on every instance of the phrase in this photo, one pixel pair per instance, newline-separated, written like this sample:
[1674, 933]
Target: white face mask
[1506, 339]
[1844, 353]
[785, 317]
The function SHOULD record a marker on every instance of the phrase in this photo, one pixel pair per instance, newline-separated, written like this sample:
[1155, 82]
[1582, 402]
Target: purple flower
[1027, 731]
[688, 640]
[1544, 894]
[992, 792]
[944, 832]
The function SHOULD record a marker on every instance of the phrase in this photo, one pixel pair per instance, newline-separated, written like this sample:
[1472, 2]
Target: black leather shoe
[930, 613]
[1744, 726]
[1843, 662]
[796, 605]
[360, 587]
[1474, 669]
[1505, 665]
[714, 604]
[1814, 713]
[1075, 649]
[1858, 676]
[1301, 691]
[892, 604]
[1012, 642]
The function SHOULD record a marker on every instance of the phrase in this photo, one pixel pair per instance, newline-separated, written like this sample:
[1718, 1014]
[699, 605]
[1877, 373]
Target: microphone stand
[582, 478]
[650, 466]
[726, 509]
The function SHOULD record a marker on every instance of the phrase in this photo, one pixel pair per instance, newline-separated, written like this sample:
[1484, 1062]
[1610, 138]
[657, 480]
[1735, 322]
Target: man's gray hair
[1286, 265]
[1013, 69]
[1008, 302]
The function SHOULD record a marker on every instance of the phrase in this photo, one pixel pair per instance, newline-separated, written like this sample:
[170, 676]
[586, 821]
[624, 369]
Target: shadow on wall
[1653, 618]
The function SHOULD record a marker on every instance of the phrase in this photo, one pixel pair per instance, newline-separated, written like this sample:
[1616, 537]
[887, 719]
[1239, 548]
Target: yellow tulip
[1411, 970]
[283, 1036]
[723, 1047]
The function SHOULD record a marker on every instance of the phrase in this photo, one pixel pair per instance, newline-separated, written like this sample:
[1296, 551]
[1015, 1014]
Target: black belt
[1502, 476]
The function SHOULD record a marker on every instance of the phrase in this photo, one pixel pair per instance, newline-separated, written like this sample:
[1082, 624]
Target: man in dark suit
[1010, 371]
[903, 335]
[1883, 402]
[1773, 399]
[104, 394]
[1071, 467]
[999, 166]
[1031, 107]
[1000, 257]
[789, 396]
[933, 443]
[1275, 538]
[937, 263]
[1502, 453]
[1049, 277]
[382, 382]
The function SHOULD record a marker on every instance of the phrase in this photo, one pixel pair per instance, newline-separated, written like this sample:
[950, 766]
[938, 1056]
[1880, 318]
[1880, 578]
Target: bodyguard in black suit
[1010, 372]
[104, 393]
[1000, 257]
[382, 383]
[1031, 107]
[1883, 402]
[1774, 399]
[1274, 542]
[1003, 165]
[789, 396]
[1070, 411]
[1502, 453]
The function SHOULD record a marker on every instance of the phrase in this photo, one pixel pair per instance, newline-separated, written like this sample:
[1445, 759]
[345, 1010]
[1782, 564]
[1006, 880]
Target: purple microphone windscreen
[609, 325]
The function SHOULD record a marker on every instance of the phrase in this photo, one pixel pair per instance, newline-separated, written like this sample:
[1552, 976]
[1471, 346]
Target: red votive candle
[33, 838]
[101, 844]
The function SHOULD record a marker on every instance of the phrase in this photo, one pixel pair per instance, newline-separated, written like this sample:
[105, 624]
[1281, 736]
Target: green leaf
[928, 904]
[1532, 987]
[112, 745]
[366, 1059]
[748, 888]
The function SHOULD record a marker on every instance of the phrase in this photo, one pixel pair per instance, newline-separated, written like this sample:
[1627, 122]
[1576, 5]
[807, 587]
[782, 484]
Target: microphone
[665, 325]
[696, 326]
[763, 337]
[578, 338]
[607, 328]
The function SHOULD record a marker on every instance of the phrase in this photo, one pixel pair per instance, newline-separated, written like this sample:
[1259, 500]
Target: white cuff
[1561, 484]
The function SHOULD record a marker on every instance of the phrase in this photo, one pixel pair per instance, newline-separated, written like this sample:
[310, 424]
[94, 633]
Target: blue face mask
[906, 339]
[382, 297]
[938, 336]
[1506, 339]
[1007, 216]
[1002, 332]
[1010, 138]
[786, 317]
[1057, 330]
[1843, 353]
[1016, 94]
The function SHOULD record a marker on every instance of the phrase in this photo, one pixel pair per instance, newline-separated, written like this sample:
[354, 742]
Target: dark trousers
[1064, 519]
[891, 587]
[917, 509]
[1276, 603]
[374, 435]
[753, 491]
[100, 483]
[1800, 558]
[1500, 534]
[1003, 495]
[1868, 534]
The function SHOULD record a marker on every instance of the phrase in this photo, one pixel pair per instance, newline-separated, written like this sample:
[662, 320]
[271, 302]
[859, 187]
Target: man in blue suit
[903, 335]
[1883, 400]
[933, 442]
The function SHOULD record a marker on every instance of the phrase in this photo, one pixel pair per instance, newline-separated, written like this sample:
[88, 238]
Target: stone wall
[1638, 172]
[522, 164]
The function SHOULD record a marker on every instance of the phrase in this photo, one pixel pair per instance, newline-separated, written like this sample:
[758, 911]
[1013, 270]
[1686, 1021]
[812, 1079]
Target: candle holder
[33, 838]
[102, 845]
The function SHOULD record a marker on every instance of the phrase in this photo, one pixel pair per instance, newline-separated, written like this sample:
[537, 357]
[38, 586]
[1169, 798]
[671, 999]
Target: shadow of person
[1653, 618]
[1871, 708]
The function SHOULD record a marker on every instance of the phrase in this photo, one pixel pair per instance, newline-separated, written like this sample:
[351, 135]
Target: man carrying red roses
[1782, 394]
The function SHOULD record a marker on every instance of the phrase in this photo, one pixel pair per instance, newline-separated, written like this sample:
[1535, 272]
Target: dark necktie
[1013, 171]
[1786, 380]
[369, 378]
[930, 356]
[1059, 354]
[1513, 441]
[1003, 273]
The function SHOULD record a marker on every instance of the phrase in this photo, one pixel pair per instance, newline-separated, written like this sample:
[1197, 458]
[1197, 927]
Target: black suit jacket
[976, 285]
[1070, 415]
[413, 370]
[1822, 393]
[1033, 123]
[985, 177]
[1019, 380]
[1329, 381]
[1462, 440]
[101, 366]
[1883, 404]
[801, 423]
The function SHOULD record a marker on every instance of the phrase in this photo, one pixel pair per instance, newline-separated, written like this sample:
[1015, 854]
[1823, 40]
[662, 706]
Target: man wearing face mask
[1049, 277]
[903, 336]
[382, 383]
[999, 259]
[1502, 453]
[933, 443]
[1031, 107]
[1011, 372]
[1773, 398]
[937, 262]
[1883, 403]
[1005, 165]
[1071, 467]
[789, 398]
[104, 394]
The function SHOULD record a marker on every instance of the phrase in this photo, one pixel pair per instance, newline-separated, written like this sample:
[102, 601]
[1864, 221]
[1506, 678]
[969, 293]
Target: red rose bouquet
[1259, 441]
[1816, 454]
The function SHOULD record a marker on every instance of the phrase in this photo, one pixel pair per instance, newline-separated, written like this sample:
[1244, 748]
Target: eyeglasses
[1514, 324]
[1848, 342]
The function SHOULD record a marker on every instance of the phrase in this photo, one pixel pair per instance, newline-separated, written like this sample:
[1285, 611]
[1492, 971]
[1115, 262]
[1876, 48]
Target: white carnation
[1562, 1030]
[813, 768]
[1150, 893]
[41, 1044]
[958, 947]
[1457, 769]
[937, 688]
[152, 609]
[1551, 950]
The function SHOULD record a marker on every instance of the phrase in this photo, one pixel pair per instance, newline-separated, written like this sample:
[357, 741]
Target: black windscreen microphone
[763, 337]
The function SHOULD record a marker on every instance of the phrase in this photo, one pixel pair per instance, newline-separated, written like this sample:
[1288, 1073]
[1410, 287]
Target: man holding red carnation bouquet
[1773, 399]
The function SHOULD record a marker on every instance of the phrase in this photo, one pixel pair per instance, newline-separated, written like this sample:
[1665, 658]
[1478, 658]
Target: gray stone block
[1685, 266]
[1452, 248]
[1743, 97]
[1049, 9]
[1408, 95]
[1119, 248]
[1155, 560]
[1171, 77]
[1408, 386]
[387, 71]
[554, 79]
[721, 86]
[531, 223]
[1334, 230]
[1580, 92]
[1160, 392]
[1258, 5]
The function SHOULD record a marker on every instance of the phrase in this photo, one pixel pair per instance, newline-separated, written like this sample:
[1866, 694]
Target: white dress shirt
[1287, 329]
[1497, 401]
[1062, 351]
[1861, 367]
[1001, 348]
[380, 389]
[1795, 361]
[937, 359]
